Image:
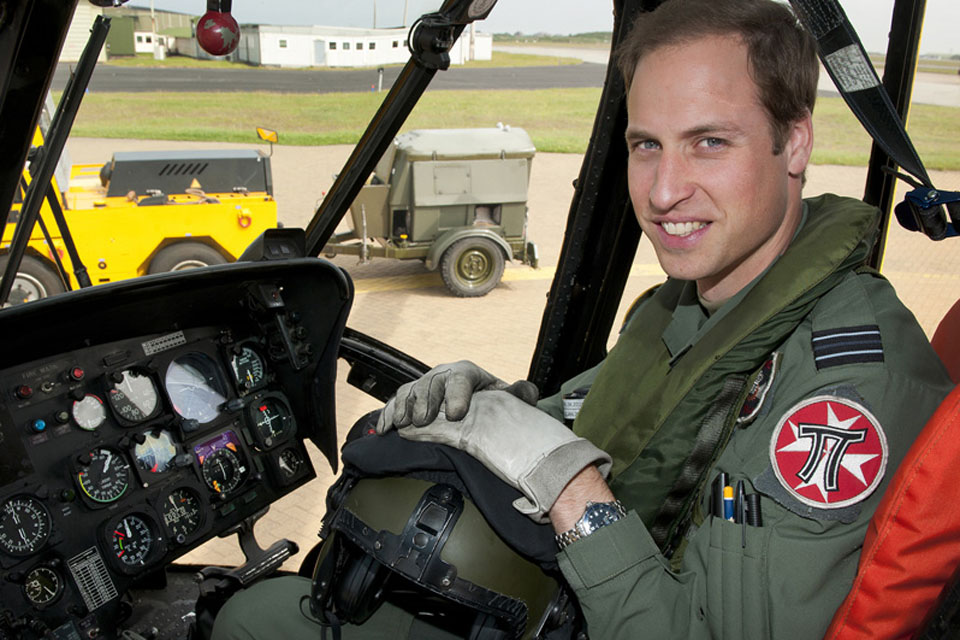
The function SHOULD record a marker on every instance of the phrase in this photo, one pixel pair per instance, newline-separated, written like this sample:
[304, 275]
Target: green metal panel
[513, 219]
[440, 183]
[401, 188]
[120, 38]
[426, 224]
[372, 202]
[455, 217]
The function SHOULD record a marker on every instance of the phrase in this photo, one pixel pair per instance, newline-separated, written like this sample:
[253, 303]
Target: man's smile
[681, 228]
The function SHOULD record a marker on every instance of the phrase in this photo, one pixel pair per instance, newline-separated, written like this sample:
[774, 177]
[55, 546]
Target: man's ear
[799, 145]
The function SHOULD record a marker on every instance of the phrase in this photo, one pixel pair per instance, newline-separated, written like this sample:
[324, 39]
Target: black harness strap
[712, 437]
[847, 63]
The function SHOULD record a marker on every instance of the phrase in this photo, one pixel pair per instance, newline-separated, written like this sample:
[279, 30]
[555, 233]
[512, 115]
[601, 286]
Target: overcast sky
[871, 18]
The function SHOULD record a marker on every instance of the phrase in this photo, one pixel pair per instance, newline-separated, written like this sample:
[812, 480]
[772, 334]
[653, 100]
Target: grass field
[558, 120]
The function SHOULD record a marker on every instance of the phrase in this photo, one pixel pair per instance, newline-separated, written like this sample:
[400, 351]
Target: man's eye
[713, 143]
[645, 145]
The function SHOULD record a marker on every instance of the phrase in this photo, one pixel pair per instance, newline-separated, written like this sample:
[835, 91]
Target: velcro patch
[848, 345]
[829, 452]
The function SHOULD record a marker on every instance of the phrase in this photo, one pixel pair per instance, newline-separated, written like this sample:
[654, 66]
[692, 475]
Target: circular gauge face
[42, 586]
[89, 413]
[24, 526]
[272, 421]
[133, 539]
[248, 368]
[289, 463]
[195, 387]
[156, 453]
[135, 397]
[106, 477]
[222, 470]
[182, 512]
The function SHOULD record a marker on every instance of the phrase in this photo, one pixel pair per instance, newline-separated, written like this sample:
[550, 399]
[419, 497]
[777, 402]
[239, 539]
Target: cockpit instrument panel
[186, 408]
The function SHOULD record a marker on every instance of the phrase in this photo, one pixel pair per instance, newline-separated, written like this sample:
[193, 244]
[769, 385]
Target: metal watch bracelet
[595, 516]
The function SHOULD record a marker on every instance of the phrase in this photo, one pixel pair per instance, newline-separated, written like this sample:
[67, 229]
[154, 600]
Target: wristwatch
[595, 516]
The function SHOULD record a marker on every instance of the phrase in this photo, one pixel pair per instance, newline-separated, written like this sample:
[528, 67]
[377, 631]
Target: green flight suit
[786, 578]
[781, 580]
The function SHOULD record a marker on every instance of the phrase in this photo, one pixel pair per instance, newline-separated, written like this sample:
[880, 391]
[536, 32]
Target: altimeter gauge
[24, 526]
[133, 396]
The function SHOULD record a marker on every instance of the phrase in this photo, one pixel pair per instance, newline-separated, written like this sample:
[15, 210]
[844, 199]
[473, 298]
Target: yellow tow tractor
[143, 212]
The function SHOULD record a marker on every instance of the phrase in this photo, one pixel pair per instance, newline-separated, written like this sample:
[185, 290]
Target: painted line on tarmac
[430, 280]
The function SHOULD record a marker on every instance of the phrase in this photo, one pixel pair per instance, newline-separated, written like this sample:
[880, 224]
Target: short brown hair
[782, 54]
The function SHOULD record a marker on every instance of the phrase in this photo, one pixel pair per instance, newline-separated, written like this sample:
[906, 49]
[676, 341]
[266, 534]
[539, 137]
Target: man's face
[707, 189]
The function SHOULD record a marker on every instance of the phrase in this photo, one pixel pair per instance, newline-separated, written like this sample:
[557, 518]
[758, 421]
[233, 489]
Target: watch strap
[612, 511]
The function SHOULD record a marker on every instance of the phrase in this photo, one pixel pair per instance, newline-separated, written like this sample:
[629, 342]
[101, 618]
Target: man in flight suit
[770, 359]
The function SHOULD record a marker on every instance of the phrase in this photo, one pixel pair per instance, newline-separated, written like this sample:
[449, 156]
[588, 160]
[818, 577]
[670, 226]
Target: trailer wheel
[184, 255]
[34, 280]
[472, 267]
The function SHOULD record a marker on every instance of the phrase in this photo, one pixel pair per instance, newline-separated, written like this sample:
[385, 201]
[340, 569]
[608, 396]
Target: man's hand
[447, 386]
[520, 444]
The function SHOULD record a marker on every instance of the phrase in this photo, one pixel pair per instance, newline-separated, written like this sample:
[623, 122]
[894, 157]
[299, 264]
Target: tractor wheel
[184, 255]
[34, 280]
[472, 267]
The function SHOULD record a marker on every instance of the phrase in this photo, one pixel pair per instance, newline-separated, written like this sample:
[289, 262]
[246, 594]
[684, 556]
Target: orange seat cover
[946, 341]
[912, 544]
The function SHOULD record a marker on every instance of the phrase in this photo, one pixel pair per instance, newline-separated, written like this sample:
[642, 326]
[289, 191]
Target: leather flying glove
[521, 445]
[446, 386]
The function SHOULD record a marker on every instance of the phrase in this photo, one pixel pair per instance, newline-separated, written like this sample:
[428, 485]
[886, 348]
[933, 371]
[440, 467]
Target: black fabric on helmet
[367, 454]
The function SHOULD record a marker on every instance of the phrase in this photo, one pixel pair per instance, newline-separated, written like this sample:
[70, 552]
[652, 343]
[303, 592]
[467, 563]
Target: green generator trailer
[454, 198]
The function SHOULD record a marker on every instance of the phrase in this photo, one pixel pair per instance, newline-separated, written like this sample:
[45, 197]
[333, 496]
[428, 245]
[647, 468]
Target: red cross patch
[829, 452]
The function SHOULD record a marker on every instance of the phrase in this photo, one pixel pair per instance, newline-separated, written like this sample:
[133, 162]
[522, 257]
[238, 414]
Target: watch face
[598, 514]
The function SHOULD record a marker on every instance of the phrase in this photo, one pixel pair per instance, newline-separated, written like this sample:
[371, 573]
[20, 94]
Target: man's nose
[673, 181]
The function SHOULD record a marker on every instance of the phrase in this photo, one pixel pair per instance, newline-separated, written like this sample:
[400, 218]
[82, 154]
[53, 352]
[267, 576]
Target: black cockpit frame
[588, 286]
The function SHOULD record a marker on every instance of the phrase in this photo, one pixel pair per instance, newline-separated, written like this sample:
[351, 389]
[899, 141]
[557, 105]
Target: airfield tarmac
[400, 303]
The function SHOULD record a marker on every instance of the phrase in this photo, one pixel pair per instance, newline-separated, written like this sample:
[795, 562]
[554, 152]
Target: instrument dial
[42, 586]
[182, 513]
[89, 412]
[157, 451]
[195, 387]
[248, 368]
[105, 477]
[133, 396]
[24, 526]
[222, 470]
[289, 463]
[133, 539]
[272, 421]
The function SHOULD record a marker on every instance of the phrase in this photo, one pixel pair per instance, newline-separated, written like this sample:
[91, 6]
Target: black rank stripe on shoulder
[848, 345]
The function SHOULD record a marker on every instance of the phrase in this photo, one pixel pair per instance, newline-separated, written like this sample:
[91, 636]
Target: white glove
[520, 444]
[448, 387]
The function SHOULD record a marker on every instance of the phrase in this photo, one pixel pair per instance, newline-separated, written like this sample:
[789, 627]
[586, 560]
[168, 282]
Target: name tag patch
[829, 452]
[848, 345]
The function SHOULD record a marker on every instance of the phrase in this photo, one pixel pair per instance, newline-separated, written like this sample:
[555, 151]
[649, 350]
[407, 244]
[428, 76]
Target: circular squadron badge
[829, 452]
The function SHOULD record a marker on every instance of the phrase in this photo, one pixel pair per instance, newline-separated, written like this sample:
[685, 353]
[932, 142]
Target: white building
[83, 16]
[144, 41]
[292, 46]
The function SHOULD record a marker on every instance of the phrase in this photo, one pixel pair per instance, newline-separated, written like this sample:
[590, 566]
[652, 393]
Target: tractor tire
[472, 267]
[184, 255]
[34, 280]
